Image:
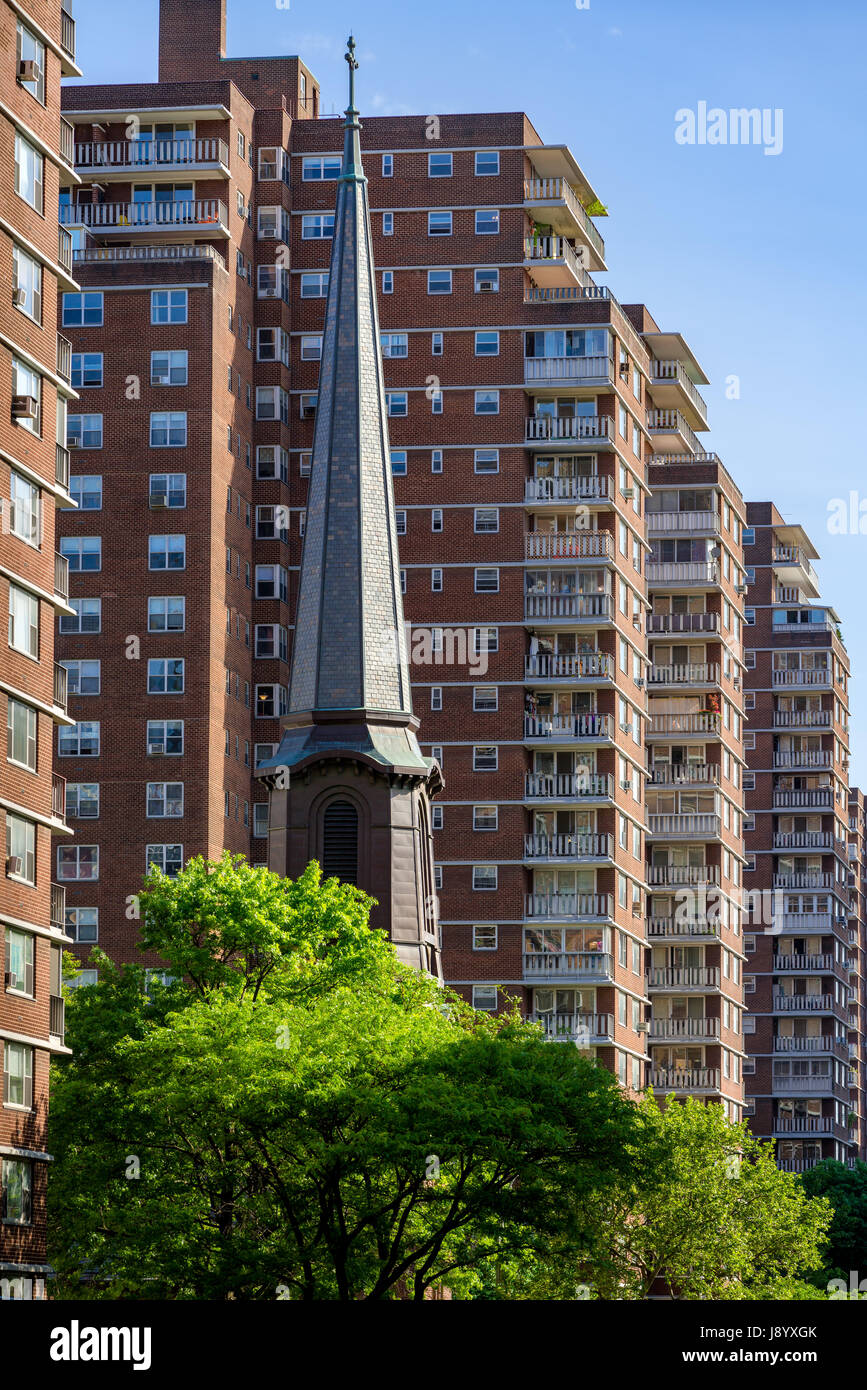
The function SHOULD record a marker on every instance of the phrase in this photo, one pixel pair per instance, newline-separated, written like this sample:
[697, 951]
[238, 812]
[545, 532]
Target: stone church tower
[349, 784]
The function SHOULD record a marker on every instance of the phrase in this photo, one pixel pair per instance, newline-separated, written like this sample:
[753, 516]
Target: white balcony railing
[568, 545]
[704, 722]
[547, 191]
[697, 1029]
[682, 521]
[570, 427]
[682, 572]
[698, 826]
[571, 666]
[673, 1079]
[568, 726]
[803, 1003]
[568, 786]
[682, 622]
[819, 676]
[577, 967]
[575, 906]
[587, 606]
[664, 372]
[700, 673]
[150, 154]
[583, 1029]
[595, 369]
[684, 977]
[571, 847]
[201, 212]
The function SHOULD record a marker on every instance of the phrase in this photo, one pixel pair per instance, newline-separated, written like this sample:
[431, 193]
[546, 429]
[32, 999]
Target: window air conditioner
[486, 287]
[628, 491]
[24, 408]
[155, 748]
[14, 864]
[19, 295]
[157, 499]
[28, 70]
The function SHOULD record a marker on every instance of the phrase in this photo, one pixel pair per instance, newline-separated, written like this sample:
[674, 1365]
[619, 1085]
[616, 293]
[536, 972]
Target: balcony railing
[590, 607]
[674, 371]
[61, 466]
[684, 977]
[57, 909]
[150, 154]
[801, 718]
[803, 757]
[682, 572]
[585, 1029]
[822, 799]
[702, 673]
[814, 878]
[684, 774]
[197, 212]
[803, 839]
[568, 545]
[824, 1044]
[573, 667]
[818, 676]
[558, 190]
[790, 557]
[658, 927]
[822, 964]
[61, 575]
[803, 1003]
[682, 521]
[572, 967]
[681, 875]
[567, 726]
[682, 622]
[571, 369]
[705, 722]
[575, 906]
[568, 786]
[64, 358]
[569, 847]
[168, 251]
[696, 1029]
[696, 826]
[67, 32]
[673, 1079]
[67, 140]
[568, 427]
[803, 1124]
[802, 1085]
[56, 1016]
[64, 249]
[547, 250]
[58, 796]
[60, 686]
[671, 422]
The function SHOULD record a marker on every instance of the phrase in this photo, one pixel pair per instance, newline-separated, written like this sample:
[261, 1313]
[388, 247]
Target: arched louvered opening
[340, 842]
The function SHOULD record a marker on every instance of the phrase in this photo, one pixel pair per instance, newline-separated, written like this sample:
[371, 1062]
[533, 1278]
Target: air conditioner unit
[7, 979]
[154, 748]
[626, 728]
[640, 683]
[741, 588]
[308, 412]
[268, 233]
[486, 287]
[157, 499]
[14, 864]
[72, 444]
[628, 491]
[160, 379]
[642, 1027]
[19, 295]
[270, 293]
[626, 786]
[28, 70]
[24, 408]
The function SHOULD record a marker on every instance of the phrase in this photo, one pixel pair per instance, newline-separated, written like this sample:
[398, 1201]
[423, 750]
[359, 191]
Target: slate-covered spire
[350, 650]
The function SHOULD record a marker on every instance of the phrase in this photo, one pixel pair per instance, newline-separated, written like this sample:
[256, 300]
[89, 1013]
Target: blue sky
[758, 260]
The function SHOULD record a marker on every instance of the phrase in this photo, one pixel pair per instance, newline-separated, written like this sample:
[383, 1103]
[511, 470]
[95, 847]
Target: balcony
[671, 389]
[572, 907]
[60, 686]
[670, 433]
[569, 429]
[695, 574]
[61, 576]
[803, 1124]
[556, 204]
[802, 1086]
[61, 466]
[803, 1003]
[552, 262]
[573, 848]
[678, 1029]
[701, 674]
[812, 965]
[585, 1030]
[682, 875]
[672, 928]
[684, 774]
[797, 1165]
[56, 1017]
[206, 215]
[58, 796]
[804, 757]
[588, 666]
[568, 545]
[819, 676]
[588, 608]
[689, 523]
[67, 141]
[802, 718]
[794, 568]
[821, 799]
[683, 827]
[569, 967]
[158, 251]
[812, 879]
[682, 622]
[64, 249]
[562, 728]
[800, 922]
[673, 1079]
[573, 371]
[57, 909]
[803, 839]
[117, 159]
[568, 786]
[705, 723]
[64, 358]
[688, 977]
[825, 1045]
[67, 38]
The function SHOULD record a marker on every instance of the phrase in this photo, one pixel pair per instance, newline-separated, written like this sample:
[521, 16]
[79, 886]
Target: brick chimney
[192, 39]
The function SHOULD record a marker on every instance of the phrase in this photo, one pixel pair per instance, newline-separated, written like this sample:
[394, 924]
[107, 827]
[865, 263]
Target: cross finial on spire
[353, 64]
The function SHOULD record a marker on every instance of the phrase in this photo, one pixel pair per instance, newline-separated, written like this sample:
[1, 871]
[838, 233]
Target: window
[485, 817]
[23, 622]
[84, 431]
[436, 461]
[388, 224]
[400, 522]
[82, 924]
[85, 617]
[82, 800]
[27, 384]
[487, 221]
[484, 878]
[17, 1078]
[315, 168]
[271, 523]
[397, 403]
[388, 166]
[314, 285]
[439, 166]
[84, 553]
[167, 552]
[487, 581]
[486, 639]
[388, 282]
[167, 490]
[437, 818]
[486, 519]
[79, 740]
[165, 799]
[272, 462]
[485, 757]
[311, 347]
[439, 224]
[439, 282]
[436, 581]
[21, 734]
[271, 701]
[168, 429]
[20, 849]
[317, 226]
[487, 402]
[272, 403]
[168, 369]
[169, 859]
[87, 370]
[167, 306]
[26, 284]
[487, 460]
[485, 937]
[166, 614]
[165, 737]
[271, 642]
[272, 582]
[487, 281]
[748, 535]
[29, 172]
[31, 50]
[487, 344]
[487, 163]
[484, 698]
[86, 490]
[260, 819]
[270, 162]
[18, 962]
[394, 344]
[24, 511]
[77, 863]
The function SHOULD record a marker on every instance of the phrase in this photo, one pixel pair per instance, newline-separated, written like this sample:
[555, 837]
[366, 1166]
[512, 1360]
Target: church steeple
[349, 784]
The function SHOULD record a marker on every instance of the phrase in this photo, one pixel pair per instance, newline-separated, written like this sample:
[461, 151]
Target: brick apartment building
[857, 943]
[801, 990]
[38, 40]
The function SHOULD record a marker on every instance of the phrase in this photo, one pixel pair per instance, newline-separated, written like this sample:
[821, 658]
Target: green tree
[846, 1190]
[298, 1115]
